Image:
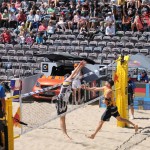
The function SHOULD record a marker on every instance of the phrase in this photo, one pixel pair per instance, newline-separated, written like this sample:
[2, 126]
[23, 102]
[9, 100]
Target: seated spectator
[30, 19]
[110, 30]
[126, 23]
[5, 17]
[83, 30]
[30, 39]
[42, 9]
[12, 8]
[144, 77]
[4, 7]
[21, 17]
[21, 37]
[6, 36]
[53, 17]
[61, 23]
[18, 5]
[23, 28]
[37, 19]
[70, 20]
[50, 28]
[76, 19]
[51, 9]
[12, 20]
[43, 27]
[39, 39]
[110, 18]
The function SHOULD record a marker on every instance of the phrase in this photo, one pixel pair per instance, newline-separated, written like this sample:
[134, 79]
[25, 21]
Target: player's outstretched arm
[77, 70]
[93, 88]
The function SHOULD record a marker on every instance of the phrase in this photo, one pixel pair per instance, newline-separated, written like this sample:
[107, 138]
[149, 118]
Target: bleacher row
[103, 49]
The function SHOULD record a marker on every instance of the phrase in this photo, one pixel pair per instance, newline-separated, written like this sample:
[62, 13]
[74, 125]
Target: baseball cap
[109, 13]
[22, 23]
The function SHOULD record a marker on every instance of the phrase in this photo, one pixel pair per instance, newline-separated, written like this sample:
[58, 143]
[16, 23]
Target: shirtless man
[63, 97]
[111, 109]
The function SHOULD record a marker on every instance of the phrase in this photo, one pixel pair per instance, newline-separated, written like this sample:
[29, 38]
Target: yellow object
[9, 122]
[121, 82]
[9, 119]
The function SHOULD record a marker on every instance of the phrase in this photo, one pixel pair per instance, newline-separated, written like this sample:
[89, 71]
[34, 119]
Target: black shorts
[61, 106]
[110, 111]
[130, 100]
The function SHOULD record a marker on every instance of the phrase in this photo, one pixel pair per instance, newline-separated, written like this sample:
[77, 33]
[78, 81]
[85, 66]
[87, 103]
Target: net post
[9, 119]
[122, 83]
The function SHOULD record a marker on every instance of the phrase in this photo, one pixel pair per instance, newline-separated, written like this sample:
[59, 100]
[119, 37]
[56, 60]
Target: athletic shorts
[130, 100]
[110, 111]
[61, 106]
[76, 84]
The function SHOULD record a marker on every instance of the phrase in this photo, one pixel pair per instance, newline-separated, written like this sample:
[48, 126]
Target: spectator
[21, 17]
[4, 7]
[5, 18]
[18, 5]
[6, 36]
[12, 20]
[144, 77]
[51, 9]
[37, 19]
[70, 20]
[21, 37]
[110, 18]
[76, 19]
[110, 30]
[39, 39]
[43, 27]
[50, 28]
[30, 39]
[30, 20]
[12, 8]
[61, 23]
[53, 17]
[131, 87]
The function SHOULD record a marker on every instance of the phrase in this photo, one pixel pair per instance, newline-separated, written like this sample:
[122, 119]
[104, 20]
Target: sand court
[83, 122]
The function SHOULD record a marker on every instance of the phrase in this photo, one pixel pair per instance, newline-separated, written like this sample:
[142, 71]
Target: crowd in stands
[32, 22]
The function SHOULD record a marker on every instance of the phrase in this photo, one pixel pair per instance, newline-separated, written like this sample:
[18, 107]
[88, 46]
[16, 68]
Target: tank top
[110, 100]
[65, 91]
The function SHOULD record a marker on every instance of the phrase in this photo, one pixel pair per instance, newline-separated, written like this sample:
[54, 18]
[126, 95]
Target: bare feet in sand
[136, 128]
[92, 136]
[67, 136]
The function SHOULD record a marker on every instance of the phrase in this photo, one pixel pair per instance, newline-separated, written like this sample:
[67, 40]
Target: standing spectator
[6, 36]
[12, 20]
[76, 86]
[131, 87]
[110, 30]
[5, 17]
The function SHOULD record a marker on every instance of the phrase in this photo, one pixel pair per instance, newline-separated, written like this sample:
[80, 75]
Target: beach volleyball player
[64, 95]
[111, 108]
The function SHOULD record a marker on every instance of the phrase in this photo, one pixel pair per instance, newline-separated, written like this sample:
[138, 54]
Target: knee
[119, 118]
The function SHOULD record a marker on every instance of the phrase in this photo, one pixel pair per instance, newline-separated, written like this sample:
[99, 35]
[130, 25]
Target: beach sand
[84, 121]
